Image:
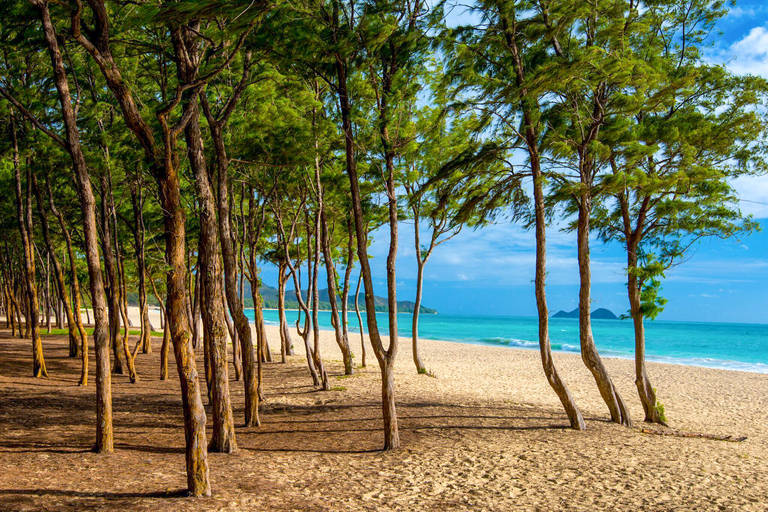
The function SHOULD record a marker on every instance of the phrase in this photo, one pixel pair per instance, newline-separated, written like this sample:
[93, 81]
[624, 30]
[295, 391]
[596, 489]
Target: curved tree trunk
[642, 381]
[104, 432]
[330, 270]
[285, 333]
[141, 267]
[589, 354]
[360, 319]
[74, 333]
[416, 310]
[113, 294]
[347, 283]
[315, 309]
[385, 357]
[547, 360]
[129, 358]
[24, 214]
[213, 313]
[244, 333]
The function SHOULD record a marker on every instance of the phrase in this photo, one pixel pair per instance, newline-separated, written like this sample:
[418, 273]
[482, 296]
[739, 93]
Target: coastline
[527, 346]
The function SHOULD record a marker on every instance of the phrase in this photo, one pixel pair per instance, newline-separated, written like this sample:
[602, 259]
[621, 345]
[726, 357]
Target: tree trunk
[420, 368]
[589, 354]
[384, 357]
[25, 226]
[360, 319]
[137, 202]
[110, 267]
[330, 271]
[47, 306]
[104, 433]
[76, 292]
[214, 315]
[347, 283]
[129, 358]
[75, 342]
[244, 333]
[194, 414]
[642, 381]
[165, 348]
[547, 360]
[315, 309]
[286, 343]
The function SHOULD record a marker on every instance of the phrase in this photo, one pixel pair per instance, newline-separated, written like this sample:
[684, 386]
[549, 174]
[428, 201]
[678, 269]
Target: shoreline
[690, 361]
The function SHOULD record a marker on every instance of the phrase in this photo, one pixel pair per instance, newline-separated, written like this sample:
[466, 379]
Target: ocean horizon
[728, 346]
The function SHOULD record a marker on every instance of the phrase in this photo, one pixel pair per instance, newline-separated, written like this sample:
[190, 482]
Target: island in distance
[598, 314]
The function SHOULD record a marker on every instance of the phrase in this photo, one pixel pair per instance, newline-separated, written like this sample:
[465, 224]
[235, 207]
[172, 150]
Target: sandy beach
[486, 433]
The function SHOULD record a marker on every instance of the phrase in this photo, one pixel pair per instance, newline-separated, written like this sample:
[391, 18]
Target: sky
[490, 271]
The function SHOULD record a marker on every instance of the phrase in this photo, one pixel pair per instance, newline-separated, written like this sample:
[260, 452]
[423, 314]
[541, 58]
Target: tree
[671, 160]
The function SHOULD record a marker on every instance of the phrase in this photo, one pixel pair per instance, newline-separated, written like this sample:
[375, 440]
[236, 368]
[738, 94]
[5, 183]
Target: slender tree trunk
[420, 368]
[547, 360]
[214, 314]
[165, 348]
[76, 343]
[104, 433]
[137, 201]
[347, 283]
[386, 357]
[244, 333]
[261, 334]
[75, 284]
[129, 358]
[315, 309]
[589, 354]
[47, 306]
[285, 334]
[360, 318]
[25, 225]
[644, 387]
[330, 269]
[110, 267]
[313, 370]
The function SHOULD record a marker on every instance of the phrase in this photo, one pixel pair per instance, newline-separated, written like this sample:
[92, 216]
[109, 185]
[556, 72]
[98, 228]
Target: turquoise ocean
[729, 346]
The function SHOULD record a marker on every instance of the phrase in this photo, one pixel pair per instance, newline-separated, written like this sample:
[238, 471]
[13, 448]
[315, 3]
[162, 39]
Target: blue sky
[490, 271]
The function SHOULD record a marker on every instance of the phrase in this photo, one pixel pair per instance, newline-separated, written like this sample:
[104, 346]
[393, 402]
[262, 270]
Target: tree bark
[315, 309]
[420, 368]
[644, 387]
[545, 347]
[532, 142]
[244, 333]
[330, 270]
[360, 319]
[386, 357]
[137, 202]
[129, 358]
[110, 267]
[589, 354]
[209, 267]
[24, 213]
[74, 333]
[75, 284]
[104, 433]
[285, 334]
[165, 348]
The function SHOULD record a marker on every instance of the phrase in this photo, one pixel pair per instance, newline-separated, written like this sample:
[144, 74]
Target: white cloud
[748, 55]
[753, 192]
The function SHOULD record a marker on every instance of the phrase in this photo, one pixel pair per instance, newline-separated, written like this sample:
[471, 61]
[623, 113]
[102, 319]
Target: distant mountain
[269, 296]
[598, 314]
